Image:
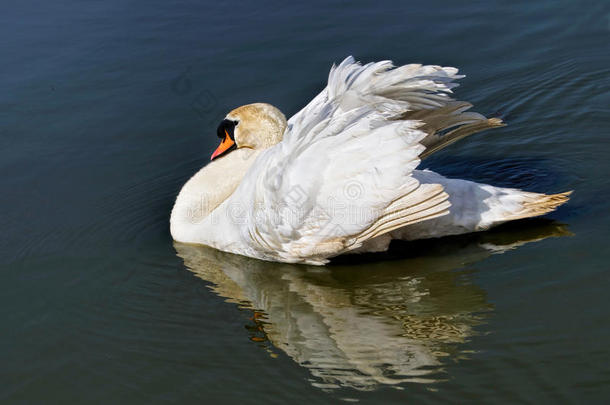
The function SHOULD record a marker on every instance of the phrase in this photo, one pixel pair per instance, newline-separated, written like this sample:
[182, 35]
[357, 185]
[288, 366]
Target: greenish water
[107, 108]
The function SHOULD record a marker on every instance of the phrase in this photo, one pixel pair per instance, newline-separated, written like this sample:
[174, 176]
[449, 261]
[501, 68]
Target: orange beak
[225, 146]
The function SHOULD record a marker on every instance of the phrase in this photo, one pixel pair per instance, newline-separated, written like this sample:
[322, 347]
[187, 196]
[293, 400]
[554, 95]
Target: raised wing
[342, 174]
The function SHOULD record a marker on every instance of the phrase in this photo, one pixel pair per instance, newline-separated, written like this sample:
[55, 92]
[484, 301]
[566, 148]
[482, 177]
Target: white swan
[339, 176]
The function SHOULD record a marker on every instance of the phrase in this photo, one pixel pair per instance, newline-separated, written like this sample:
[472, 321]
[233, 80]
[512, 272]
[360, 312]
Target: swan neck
[206, 190]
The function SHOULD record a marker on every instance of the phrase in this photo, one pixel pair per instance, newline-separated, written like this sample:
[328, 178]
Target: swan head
[253, 126]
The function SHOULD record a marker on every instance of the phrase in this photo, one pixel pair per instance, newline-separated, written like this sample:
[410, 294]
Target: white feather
[344, 174]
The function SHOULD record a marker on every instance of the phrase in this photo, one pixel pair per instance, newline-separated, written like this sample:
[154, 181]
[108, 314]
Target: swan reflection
[362, 325]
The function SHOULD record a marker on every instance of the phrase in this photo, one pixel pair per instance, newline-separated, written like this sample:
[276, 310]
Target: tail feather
[535, 204]
[477, 207]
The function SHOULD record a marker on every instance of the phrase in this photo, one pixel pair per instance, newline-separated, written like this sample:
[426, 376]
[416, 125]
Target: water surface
[107, 108]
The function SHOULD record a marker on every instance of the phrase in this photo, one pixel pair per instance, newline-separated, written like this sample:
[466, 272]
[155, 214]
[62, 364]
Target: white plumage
[340, 176]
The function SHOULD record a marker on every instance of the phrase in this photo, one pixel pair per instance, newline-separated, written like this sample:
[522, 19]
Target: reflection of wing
[345, 149]
[361, 326]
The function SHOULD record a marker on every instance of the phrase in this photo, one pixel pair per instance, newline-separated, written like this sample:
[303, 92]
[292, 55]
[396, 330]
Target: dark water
[107, 108]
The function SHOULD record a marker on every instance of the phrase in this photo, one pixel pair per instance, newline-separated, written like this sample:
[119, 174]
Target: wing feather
[342, 174]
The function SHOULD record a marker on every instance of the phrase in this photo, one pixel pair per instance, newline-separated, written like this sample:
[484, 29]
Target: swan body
[340, 176]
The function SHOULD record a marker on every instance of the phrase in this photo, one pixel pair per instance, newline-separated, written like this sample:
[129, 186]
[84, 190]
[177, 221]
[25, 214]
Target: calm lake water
[108, 107]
